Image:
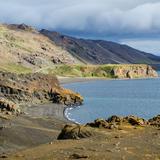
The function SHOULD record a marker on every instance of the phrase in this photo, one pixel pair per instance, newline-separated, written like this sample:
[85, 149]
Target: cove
[103, 98]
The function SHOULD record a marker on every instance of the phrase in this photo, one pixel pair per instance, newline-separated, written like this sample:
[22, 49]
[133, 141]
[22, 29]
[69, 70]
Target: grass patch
[15, 68]
[82, 71]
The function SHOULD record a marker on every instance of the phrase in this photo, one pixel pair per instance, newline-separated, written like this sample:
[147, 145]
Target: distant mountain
[100, 51]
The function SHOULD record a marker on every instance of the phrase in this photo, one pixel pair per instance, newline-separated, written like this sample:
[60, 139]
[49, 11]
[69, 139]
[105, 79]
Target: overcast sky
[135, 22]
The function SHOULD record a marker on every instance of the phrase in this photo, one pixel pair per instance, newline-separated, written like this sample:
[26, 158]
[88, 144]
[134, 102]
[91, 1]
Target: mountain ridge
[100, 51]
[24, 49]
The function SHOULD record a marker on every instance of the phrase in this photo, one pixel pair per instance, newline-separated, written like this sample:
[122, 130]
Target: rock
[114, 119]
[34, 88]
[75, 132]
[22, 27]
[115, 122]
[133, 71]
[133, 120]
[8, 107]
[67, 97]
[78, 156]
[3, 156]
[99, 123]
[155, 121]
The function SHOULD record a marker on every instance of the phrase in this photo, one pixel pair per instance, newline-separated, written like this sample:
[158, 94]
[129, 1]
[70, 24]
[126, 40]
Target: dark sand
[39, 125]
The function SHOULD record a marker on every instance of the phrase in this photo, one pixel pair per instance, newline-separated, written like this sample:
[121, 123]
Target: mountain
[23, 48]
[100, 51]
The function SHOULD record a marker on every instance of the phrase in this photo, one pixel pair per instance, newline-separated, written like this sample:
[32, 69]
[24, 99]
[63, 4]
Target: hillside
[104, 71]
[23, 49]
[100, 51]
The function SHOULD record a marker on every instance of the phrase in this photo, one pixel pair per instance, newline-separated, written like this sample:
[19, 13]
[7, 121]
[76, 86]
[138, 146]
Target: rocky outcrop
[67, 97]
[23, 27]
[133, 71]
[34, 88]
[116, 122]
[155, 121]
[75, 132]
[8, 107]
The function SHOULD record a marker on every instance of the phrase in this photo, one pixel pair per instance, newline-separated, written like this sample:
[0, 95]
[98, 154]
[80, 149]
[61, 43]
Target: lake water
[103, 98]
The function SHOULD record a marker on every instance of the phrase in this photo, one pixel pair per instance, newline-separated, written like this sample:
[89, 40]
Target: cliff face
[134, 71]
[33, 88]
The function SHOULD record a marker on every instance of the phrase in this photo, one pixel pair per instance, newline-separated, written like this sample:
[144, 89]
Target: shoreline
[69, 80]
[38, 130]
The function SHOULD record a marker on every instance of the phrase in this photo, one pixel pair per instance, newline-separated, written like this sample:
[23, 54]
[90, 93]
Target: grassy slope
[24, 51]
[105, 71]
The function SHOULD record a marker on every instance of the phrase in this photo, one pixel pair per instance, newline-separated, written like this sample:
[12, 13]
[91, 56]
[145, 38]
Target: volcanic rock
[34, 88]
[75, 132]
[155, 121]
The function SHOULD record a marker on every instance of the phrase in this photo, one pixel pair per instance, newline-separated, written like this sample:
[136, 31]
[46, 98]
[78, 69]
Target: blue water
[103, 98]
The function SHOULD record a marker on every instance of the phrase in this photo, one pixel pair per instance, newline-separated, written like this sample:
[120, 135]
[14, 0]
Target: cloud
[147, 45]
[102, 17]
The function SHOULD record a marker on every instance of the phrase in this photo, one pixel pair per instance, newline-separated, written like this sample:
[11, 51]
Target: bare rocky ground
[40, 124]
[34, 137]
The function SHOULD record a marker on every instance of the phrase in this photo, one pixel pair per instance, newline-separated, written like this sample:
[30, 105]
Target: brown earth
[129, 142]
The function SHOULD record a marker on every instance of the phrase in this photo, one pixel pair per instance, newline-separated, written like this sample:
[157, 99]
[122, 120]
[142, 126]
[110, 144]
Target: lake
[103, 98]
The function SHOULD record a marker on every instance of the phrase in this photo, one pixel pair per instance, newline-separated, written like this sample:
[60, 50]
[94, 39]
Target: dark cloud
[97, 17]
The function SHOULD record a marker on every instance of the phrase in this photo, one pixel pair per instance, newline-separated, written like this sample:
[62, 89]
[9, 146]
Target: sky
[132, 22]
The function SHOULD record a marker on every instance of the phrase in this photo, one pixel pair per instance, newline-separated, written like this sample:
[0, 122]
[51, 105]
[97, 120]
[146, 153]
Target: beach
[39, 124]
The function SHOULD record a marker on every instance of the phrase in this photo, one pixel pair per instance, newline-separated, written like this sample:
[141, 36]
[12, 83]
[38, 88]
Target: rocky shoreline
[125, 138]
[34, 135]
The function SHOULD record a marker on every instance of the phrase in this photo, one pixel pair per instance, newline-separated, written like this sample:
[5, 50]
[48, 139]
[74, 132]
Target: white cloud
[147, 45]
[93, 16]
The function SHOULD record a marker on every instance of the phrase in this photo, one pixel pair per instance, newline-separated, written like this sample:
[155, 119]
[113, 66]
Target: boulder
[99, 123]
[155, 121]
[114, 119]
[133, 120]
[75, 132]
[9, 107]
[79, 156]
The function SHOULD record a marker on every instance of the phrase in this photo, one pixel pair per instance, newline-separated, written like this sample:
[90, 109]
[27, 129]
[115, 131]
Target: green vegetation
[82, 70]
[15, 68]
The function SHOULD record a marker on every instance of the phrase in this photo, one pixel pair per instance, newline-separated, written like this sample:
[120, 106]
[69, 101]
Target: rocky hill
[100, 51]
[23, 49]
